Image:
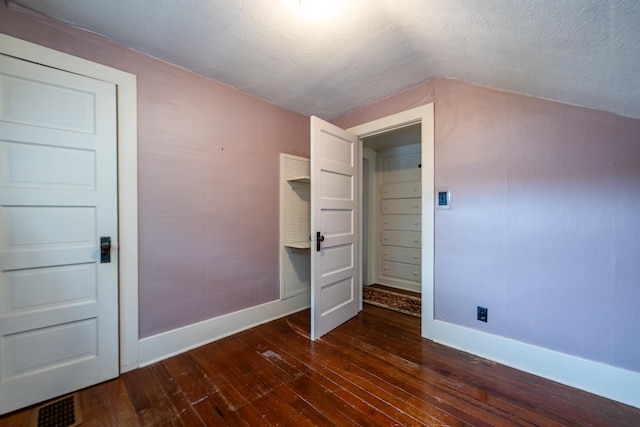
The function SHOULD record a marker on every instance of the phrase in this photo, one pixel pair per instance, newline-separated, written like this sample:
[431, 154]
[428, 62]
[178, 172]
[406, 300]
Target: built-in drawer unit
[403, 190]
[402, 222]
[402, 271]
[401, 206]
[410, 239]
[404, 255]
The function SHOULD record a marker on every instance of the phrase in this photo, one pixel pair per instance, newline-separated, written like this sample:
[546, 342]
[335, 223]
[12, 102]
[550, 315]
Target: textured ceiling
[584, 52]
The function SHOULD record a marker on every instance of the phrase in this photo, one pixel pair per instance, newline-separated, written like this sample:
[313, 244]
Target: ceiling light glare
[317, 9]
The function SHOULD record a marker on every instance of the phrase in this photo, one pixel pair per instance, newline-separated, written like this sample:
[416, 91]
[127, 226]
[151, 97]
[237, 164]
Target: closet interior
[391, 205]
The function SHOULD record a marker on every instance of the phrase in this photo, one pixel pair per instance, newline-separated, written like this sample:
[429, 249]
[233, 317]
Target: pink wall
[544, 228]
[208, 180]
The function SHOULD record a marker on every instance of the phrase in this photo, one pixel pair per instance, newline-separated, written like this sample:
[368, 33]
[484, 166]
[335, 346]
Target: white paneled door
[58, 197]
[334, 227]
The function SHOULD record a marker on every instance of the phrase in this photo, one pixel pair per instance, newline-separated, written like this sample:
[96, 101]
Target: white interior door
[334, 226]
[58, 196]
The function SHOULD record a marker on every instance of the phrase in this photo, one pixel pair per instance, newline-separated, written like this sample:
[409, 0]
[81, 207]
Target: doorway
[392, 206]
[424, 115]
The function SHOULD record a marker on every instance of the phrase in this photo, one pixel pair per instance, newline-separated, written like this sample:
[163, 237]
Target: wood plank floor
[374, 370]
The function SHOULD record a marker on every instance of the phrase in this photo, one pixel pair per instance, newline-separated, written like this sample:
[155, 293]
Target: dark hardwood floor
[374, 370]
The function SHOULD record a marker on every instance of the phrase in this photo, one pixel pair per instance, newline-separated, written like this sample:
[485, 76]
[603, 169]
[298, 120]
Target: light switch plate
[443, 198]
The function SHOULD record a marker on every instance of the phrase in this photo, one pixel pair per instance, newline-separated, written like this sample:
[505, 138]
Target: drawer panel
[401, 206]
[400, 167]
[405, 255]
[401, 190]
[402, 271]
[402, 222]
[411, 239]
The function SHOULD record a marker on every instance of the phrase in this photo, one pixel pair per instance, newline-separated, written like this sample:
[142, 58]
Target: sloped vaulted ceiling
[584, 52]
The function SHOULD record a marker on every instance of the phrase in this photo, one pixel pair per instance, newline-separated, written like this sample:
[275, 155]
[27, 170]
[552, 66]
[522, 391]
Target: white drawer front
[401, 206]
[402, 190]
[402, 222]
[411, 239]
[405, 255]
[400, 167]
[402, 271]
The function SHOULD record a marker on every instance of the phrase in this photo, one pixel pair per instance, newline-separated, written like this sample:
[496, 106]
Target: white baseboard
[594, 377]
[400, 284]
[161, 346]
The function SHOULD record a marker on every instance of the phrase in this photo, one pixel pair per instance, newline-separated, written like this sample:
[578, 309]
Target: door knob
[105, 250]
[319, 239]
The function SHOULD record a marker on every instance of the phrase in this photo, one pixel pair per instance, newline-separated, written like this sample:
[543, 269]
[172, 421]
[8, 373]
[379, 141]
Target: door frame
[423, 114]
[126, 89]
[371, 256]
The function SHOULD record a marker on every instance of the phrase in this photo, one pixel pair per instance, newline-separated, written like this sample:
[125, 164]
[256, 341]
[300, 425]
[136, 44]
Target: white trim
[594, 377]
[372, 255]
[127, 176]
[394, 121]
[598, 378]
[170, 343]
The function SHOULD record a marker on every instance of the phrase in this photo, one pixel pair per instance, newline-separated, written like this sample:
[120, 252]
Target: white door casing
[335, 277]
[58, 195]
[425, 116]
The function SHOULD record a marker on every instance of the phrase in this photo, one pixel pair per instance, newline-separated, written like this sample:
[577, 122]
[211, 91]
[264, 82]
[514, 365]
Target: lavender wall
[208, 180]
[544, 228]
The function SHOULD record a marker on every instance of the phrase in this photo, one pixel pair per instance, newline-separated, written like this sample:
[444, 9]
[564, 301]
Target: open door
[334, 226]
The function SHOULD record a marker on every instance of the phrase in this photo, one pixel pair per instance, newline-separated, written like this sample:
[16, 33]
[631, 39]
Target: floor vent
[63, 412]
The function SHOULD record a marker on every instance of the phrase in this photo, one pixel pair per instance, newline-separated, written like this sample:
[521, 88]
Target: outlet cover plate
[483, 314]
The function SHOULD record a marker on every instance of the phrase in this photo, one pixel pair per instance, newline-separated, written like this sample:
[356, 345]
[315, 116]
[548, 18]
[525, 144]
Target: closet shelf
[302, 178]
[295, 226]
[299, 245]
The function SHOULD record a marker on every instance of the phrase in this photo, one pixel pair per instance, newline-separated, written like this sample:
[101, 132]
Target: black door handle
[105, 250]
[319, 239]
